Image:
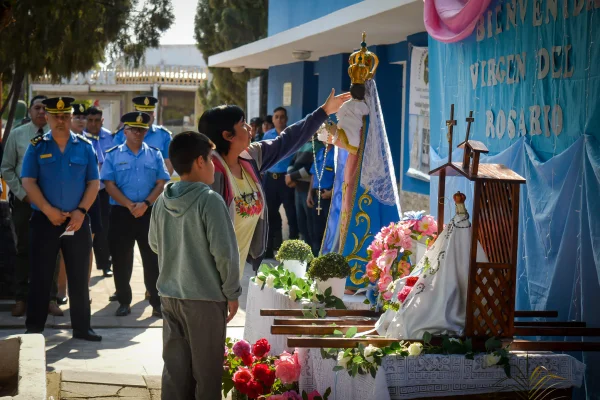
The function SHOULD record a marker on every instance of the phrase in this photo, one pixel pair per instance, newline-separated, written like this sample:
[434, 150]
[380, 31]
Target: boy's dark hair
[186, 147]
[93, 111]
[280, 109]
[215, 121]
[269, 119]
[38, 97]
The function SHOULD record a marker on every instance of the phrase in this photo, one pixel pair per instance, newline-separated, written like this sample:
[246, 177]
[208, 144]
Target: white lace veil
[377, 172]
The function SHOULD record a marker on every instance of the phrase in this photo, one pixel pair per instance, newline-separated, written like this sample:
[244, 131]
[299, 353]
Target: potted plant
[330, 271]
[295, 254]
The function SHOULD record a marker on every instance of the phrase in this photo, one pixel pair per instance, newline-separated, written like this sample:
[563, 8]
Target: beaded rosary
[319, 174]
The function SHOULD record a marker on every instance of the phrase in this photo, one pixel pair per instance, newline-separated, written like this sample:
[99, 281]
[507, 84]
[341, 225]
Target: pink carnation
[385, 261]
[384, 282]
[427, 225]
[372, 271]
[403, 268]
[387, 296]
[287, 368]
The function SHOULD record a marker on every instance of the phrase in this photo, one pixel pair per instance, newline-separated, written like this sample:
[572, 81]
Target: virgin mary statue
[365, 194]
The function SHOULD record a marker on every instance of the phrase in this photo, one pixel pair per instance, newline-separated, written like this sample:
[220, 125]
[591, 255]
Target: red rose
[248, 359]
[263, 373]
[261, 348]
[241, 379]
[254, 389]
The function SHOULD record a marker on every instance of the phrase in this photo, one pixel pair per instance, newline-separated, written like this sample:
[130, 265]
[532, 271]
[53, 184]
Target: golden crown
[363, 63]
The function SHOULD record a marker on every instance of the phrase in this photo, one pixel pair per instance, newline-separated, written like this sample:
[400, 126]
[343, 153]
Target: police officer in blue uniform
[60, 176]
[322, 177]
[157, 135]
[102, 139]
[134, 174]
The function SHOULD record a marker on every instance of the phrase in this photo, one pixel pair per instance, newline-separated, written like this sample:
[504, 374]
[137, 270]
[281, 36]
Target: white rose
[369, 351]
[343, 361]
[415, 349]
[294, 292]
[490, 360]
[270, 281]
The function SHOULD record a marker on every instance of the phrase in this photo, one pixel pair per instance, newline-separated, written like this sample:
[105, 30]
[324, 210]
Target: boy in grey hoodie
[199, 282]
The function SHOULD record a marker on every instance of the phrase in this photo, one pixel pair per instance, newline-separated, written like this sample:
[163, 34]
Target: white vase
[337, 285]
[418, 251]
[296, 266]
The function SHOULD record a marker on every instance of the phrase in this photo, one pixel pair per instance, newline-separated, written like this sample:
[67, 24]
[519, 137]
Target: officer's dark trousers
[45, 243]
[318, 222]
[101, 246]
[21, 213]
[125, 231]
[277, 193]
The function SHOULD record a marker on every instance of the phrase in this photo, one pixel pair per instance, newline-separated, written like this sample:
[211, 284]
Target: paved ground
[131, 349]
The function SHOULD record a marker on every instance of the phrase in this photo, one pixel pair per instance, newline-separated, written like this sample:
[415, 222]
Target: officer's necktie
[40, 131]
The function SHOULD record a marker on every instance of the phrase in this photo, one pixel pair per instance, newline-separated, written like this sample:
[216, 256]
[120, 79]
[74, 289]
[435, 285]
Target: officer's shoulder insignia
[36, 140]
[165, 129]
[111, 149]
[83, 138]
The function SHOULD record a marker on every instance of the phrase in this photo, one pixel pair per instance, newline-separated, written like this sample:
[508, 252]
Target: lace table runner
[431, 375]
[258, 327]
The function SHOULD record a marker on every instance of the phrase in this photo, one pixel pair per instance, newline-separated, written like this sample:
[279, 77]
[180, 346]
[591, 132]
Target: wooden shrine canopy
[491, 285]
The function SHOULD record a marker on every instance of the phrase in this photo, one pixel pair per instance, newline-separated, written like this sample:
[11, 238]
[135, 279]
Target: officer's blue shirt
[134, 175]
[105, 139]
[328, 174]
[282, 165]
[62, 177]
[157, 136]
[96, 146]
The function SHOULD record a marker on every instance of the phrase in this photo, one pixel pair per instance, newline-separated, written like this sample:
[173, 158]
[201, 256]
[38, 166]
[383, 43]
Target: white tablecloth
[258, 327]
[429, 376]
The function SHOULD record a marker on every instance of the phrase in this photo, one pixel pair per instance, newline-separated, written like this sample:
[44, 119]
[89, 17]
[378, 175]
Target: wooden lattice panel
[491, 292]
[491, 301]
[496, 207]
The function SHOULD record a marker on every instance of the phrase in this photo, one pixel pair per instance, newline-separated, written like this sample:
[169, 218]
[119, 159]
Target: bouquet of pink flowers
[253, 373]
[390, 250]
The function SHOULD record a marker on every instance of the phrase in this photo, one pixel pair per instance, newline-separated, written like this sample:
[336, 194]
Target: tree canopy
[222, 25]
[62, 37]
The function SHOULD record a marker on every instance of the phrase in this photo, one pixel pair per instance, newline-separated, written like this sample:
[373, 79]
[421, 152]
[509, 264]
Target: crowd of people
[78, 192]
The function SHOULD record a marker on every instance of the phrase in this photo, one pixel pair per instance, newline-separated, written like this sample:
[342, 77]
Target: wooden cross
[469, 120]
[450, 123]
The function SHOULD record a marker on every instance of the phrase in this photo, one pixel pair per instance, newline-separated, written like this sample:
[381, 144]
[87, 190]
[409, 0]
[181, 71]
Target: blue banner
[530, 68]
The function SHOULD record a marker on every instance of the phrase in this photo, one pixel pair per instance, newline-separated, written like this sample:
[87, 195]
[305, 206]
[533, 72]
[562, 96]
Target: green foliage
[222, 25]
[297, 289]
[294, 250]
[332, 265]
[62, 37]
[366, 360]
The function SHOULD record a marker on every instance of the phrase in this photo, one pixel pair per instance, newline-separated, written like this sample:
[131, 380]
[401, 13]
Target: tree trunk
[10, 93]
[17, 84]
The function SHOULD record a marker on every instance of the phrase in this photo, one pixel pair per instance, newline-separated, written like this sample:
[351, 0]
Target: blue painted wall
[304, 89]
[333, 73]
[287, 14]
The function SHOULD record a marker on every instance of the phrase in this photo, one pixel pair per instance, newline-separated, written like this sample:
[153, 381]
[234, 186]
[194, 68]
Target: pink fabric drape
[450, 21]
